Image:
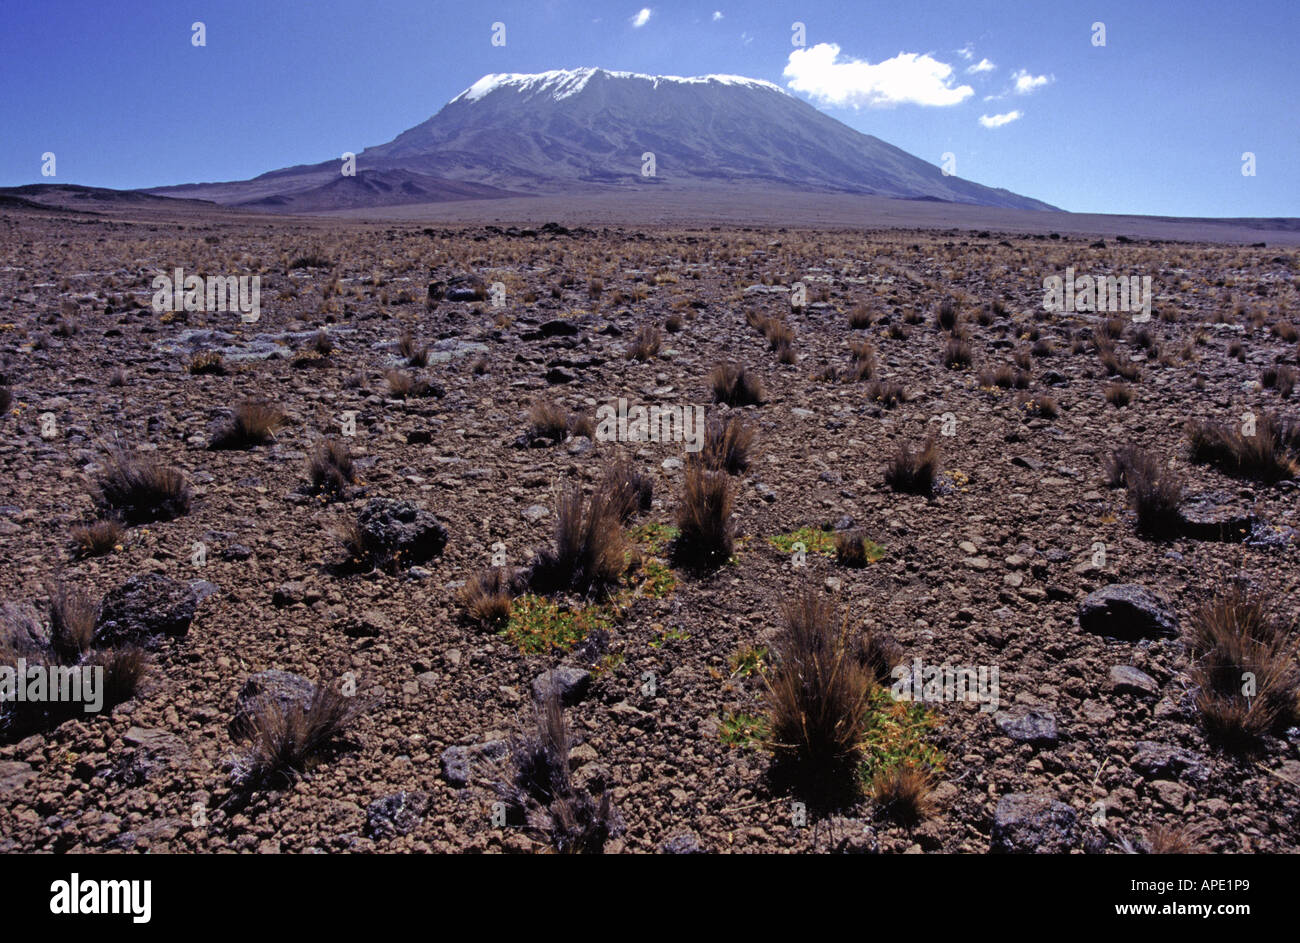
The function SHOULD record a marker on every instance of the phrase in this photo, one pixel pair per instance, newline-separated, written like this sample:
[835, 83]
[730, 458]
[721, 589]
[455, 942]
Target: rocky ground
[1096, 745]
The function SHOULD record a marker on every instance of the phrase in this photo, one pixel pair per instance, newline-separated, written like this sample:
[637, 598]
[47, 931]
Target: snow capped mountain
[585, 130]
[561, 83]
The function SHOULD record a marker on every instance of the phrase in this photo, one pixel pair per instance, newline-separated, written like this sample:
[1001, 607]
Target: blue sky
[1156, 121]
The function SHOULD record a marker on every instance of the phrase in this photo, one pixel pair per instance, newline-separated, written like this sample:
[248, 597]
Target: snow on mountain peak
[561, 83]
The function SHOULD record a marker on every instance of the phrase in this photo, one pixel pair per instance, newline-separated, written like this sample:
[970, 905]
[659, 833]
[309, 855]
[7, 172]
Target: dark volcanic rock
[1211, 516]
[683, 845]
[395, 815]
[1127, 611]
[569, 684]
[1024, 823]
[144, 610]
[1129, 680]
[1031, 726]
[1162, 761]
[397, 532]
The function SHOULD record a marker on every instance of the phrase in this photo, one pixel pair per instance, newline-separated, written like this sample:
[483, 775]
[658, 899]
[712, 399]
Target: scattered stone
[398, 530]
[1029, 726]
[1162, 761]
[683, 845]
[1210, 516]
[1129, 680]
[14, 774]
[1024, 823]
[1127, 611]
[570, 684]
[395, 815]
[144, 610]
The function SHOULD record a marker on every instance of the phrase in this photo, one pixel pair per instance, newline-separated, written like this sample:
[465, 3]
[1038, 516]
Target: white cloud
[967, 51]
[1026, 83]
[908, 78]
[642, 18]
[717, 15]
[982, 66]
[997, 121]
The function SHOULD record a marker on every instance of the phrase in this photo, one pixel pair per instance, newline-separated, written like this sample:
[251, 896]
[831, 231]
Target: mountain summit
[562, 131]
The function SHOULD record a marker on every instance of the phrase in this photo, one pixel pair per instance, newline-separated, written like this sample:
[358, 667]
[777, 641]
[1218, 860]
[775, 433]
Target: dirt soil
[990, 570]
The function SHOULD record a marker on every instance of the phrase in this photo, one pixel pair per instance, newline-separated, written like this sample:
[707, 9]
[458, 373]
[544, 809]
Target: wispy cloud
[982, 66]
[997, 121]
[717, 15]
[642, 18]
[909, 78]
[1026, 83]
[967, 51]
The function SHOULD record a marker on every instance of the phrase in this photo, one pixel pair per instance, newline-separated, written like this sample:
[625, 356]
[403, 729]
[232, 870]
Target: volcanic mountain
[587, 130]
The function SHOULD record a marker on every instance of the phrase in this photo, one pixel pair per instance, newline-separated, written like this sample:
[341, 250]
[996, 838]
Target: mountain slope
[576, 130]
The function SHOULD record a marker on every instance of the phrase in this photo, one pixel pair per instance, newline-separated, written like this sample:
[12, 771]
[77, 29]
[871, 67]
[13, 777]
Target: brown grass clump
[726, 445]
[863, 356]
[887, 392]
[548, 420]
[1262, 455]
[706, 533]
[852, 549]
[1173, 840]
[403, 385]
[1243, 666]
[415, 354]
[72, 616]
[290, 739]
[735, 386]
[252, 423]
[99, 537]
[1038, 404]
[1118, 394]
[674, 323]
[588, 553]
[540, 793]
[956, 354]
[818, 693]
[645, 343]
[1154, 489]
[859, 317]
[486, 597]
[914, 471]
[330, 468]
[139, 489]
[627, 490]
[778, 334]
[207, 363]
[946, 316]
[1127, 371]
[63, 643]
[903, 792]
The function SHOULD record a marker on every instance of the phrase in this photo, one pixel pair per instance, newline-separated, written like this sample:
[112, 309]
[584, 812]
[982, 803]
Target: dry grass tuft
[252, 423]
[139, 489]
[735, 386]
[819, 691]
[706, 533]
[1243, 667]
[914, 471]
